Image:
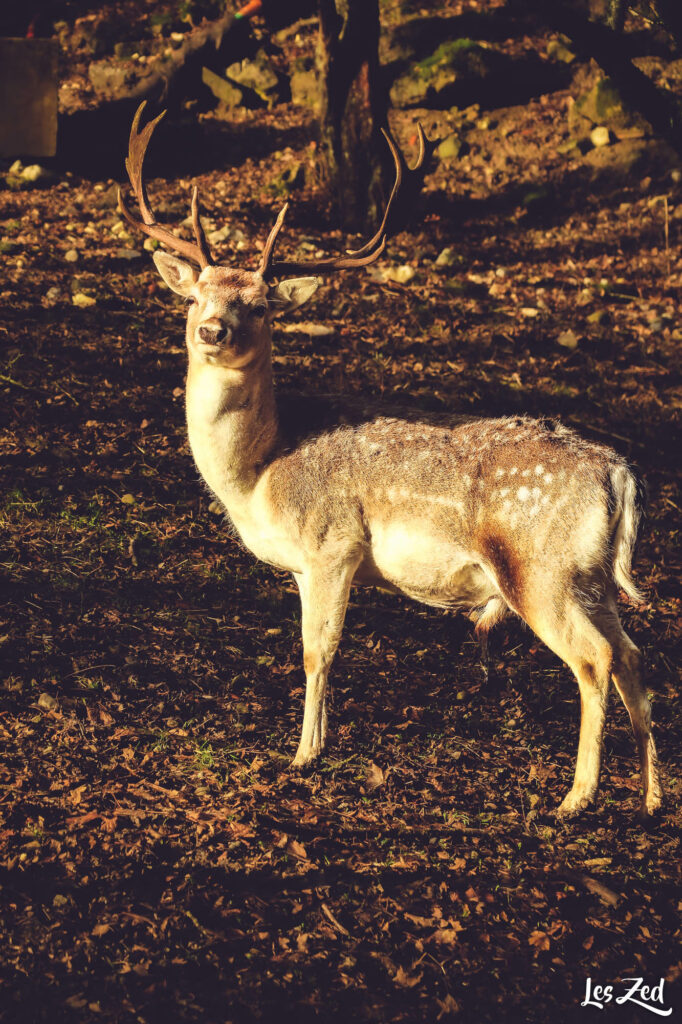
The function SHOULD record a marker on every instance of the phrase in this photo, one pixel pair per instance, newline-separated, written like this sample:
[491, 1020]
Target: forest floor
[159, 858]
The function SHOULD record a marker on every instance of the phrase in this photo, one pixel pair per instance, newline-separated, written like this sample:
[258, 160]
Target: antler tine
[205, 252]
[372, 250]
[266, 259]
[403, 173]
[137, 148]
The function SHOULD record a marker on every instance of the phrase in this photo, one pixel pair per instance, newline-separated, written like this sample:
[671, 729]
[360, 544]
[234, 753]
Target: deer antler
[372, 250]
[407, 185]
[137, 147]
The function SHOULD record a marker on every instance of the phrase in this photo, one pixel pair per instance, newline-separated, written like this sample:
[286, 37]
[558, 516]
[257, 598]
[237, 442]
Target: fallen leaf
[375, 777]
[406, 980]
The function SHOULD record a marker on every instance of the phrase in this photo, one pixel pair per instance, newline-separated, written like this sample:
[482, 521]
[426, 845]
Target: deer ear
[288, 295]
[178, 275]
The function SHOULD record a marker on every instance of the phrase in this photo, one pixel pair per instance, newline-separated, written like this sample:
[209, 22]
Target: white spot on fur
[513, 471]
[467, 479]
[539, 470]
[499, 473]
[548, 477]
[536, 492]
[504, 492]
[526, 472]
[523, 494]
[545, 499]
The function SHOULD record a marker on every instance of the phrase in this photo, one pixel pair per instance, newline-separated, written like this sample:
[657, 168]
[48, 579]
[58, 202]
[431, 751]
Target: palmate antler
[268, 266]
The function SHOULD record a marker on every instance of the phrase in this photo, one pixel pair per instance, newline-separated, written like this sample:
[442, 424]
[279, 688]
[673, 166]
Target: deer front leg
[324, 597]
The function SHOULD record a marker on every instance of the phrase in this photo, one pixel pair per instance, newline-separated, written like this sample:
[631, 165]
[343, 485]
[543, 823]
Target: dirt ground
[159, 859]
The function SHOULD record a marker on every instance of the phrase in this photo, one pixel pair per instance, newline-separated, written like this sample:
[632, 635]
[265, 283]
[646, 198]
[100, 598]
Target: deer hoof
[304, 758]
[648, 811]
[572, 806]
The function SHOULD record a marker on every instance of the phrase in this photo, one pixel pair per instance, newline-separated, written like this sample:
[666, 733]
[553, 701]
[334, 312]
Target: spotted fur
[488, 516]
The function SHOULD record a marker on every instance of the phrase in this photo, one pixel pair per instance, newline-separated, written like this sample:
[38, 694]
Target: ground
[159, 859]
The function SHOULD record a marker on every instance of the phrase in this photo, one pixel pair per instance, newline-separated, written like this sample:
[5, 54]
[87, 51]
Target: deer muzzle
[214, 333]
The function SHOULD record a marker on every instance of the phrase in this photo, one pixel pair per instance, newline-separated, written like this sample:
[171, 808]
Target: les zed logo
[638, 993]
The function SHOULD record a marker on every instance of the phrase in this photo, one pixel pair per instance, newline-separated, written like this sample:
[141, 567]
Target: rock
[34, 173]
[227, 93]
[305, 91]
[47, 702]
[450, 148]
[59, 901]
[600, 316]
[288, 180]
[108, 199]
[431, 81]
[603, 106]
[127, 254]
[585, 297]
[447, 258]
[402, 274]
[151, 244]
[71, 256]
[216, 508]
[8, 247]
[256, 74]
[16, 169]
[600, 136]
[53, 295]
[82, 300]
[127, 499]
[558, 50]
[567, 339]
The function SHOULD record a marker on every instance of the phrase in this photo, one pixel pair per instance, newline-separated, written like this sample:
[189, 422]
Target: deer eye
[190, 300]
[259, 310]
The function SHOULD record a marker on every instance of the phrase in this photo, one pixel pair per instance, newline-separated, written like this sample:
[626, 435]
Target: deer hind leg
[324, 598]
[583, 645]
[627, 677]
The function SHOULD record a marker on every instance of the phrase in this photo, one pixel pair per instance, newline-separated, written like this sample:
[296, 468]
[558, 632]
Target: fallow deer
[490, 516]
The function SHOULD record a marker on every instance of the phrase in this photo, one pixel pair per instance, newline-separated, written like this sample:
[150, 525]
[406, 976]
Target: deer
[490, 516]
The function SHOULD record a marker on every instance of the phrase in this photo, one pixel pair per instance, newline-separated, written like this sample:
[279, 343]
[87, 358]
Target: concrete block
[28, 97]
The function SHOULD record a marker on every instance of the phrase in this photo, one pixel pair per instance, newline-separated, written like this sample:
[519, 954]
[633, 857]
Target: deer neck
[232, 425]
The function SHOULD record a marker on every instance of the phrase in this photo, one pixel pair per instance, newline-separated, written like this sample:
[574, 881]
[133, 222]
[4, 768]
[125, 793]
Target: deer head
[228, 322]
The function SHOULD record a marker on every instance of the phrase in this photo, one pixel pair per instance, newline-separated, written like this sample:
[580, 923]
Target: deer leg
[627, 677]
[591, 658]
[582, 644]
[324, 598]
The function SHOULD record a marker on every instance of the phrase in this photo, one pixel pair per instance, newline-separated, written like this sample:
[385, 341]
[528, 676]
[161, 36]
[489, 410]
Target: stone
[127, 254]
[567, 339]
[600, 136]
[447, 258]
[304, 89]
[450, 148]
[455, 68]
[256, 74]
[28, 97]
[47, 702]
[559, 51]
[71, 256]
[82, 300]
[227, 93]
[603, 106]
[34, 172]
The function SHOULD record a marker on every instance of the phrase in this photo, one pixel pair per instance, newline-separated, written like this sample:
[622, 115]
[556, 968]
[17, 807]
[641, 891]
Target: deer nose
[212, 334]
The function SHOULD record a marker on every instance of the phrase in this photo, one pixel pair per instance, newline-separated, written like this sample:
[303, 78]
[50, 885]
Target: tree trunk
[353, 109]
